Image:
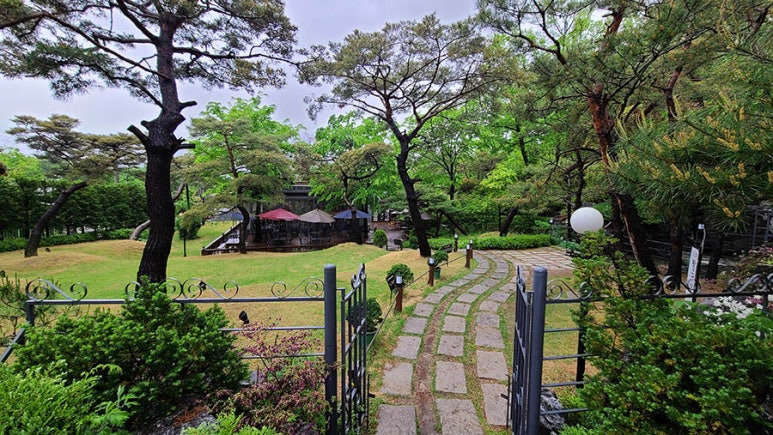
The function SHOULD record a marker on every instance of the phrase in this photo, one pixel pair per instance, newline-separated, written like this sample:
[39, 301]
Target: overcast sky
[318, 22]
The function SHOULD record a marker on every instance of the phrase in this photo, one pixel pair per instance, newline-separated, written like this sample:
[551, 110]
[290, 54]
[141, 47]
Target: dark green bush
[15, 244]
[402, 270]
[412, 242]
[665, 367]
[168, 352]
[380, 238]
[189, 223]
[34, 402]
[119, 234]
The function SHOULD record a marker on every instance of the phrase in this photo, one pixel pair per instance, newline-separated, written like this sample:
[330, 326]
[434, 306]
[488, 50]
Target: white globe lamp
[586, 219]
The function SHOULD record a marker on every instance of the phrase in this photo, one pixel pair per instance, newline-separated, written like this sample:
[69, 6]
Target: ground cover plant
[667, 367]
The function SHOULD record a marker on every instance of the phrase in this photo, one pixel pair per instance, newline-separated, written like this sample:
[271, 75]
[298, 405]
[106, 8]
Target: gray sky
[318, 21]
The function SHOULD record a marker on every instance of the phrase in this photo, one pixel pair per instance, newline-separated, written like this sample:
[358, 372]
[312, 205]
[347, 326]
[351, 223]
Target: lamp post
[583, 220]
[456, 242]
[399, 300]
[431, 280]
[468, 257]
[586, 219]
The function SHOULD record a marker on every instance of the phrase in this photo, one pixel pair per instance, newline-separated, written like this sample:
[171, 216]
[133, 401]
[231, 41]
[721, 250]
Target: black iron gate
[527, 358]
[524, 395]
[348, 411]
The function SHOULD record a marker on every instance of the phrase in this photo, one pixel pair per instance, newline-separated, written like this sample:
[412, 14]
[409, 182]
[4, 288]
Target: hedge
[20, 243]
[517, 241]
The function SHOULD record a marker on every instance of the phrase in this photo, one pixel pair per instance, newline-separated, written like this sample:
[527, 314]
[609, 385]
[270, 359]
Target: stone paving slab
[423, 310]
[486, 336]
[451, 345]
[499, 275]
[467, 298]
[446, 289]
[449, 377]
[487, 319]
[454, 324]
[458, 416]
[396, 420]
[489, 306]
[407, 347]
[494, 405]
[460, 282]
[499, 296]
[459, 309]
[397, 379]
[491, 282]
[478, 289]
[415, 325]
[510, 287]
[491, 365]
[434, 298]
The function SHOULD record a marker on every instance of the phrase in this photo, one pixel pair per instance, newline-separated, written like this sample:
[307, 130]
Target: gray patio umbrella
[316, 216]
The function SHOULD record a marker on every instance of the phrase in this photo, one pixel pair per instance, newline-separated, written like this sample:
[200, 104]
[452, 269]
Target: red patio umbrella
[279, 214]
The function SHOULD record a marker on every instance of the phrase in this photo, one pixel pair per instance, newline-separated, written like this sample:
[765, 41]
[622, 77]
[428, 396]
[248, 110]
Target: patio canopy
[316, 216]
[279, 214]
[347, 214]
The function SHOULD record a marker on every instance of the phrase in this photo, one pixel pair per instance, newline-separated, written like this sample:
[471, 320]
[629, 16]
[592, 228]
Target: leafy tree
[148, 48]
[80, 158]
[239, 155]
[405, 75]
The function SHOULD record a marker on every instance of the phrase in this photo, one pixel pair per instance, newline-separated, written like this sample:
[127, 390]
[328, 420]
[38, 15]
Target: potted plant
[372, 311]
[439, 256]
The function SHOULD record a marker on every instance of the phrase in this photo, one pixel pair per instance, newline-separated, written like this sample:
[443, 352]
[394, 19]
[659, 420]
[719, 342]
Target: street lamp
[586, 219]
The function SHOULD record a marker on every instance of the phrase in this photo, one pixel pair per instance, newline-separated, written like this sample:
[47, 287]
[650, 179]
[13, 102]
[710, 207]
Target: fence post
[331, 382]
[580, 373]
[399, 299]
[536, 352]
[29, 309]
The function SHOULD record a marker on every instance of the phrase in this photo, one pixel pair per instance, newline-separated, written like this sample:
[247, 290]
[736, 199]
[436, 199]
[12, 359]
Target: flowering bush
[288, 395]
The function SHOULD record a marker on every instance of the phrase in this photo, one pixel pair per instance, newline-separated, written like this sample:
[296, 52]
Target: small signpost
[695, 262]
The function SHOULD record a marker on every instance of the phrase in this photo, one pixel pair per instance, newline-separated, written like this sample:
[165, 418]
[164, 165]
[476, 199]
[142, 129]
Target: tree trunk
[161, 213]
[712, 270]
[505, 228]
[675, 254]
[243, 228]
[413, 201]
[135, 235]
[33, 241]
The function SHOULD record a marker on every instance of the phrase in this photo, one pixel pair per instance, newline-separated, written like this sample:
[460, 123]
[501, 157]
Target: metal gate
[527, 354]
[353, 412]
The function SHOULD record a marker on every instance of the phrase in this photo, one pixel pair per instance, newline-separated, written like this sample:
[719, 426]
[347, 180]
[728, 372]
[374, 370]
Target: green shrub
[517, 241]
[119, 234]
[380, 238]
[665, 367]
[7, 245]
[412, 242]
[189, 223]
[34, 402]
[402, 270]
[440, 256]
[167, 352]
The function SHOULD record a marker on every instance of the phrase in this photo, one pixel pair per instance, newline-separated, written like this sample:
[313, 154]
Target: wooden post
[469, 256]
[431, 280]
[399, 299]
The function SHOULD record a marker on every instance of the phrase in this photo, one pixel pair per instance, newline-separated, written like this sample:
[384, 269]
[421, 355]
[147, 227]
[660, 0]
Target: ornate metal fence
[526, 383]
[348, 412]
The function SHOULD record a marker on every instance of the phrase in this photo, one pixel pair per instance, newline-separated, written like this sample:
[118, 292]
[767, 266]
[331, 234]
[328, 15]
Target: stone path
[451, 351]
